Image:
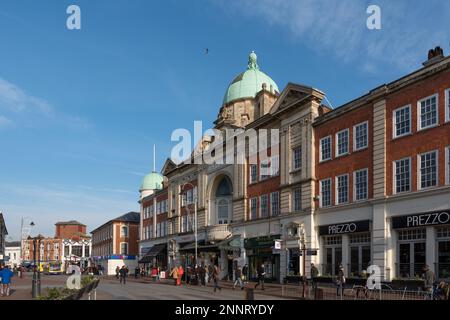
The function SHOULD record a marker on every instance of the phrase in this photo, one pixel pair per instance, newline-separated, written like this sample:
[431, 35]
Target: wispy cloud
[338, 27]
[26, 108]
[47, 204]
[5, 122]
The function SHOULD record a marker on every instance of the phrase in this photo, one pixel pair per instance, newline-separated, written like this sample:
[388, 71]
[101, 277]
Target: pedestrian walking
[340, 282]
[245, 273]
[117, 272]
[210, 272]
[123, 272]
[215, 276]
[238, 278]
[174, 275]
[314, 275]
[261, 275]
[429, 278]
[136, 272]
[202, 275]
[180, 274]
[6, 274]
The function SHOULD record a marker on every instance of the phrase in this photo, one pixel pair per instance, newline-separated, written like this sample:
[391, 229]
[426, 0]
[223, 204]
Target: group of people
[122, 274]
[200, 274]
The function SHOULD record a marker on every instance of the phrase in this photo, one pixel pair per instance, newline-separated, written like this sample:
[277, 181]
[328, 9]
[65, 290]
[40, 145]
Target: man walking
[314, 275]
[245, 272]
[6, 274]
[261, 274]
[117, 272]
[430, 279]
[123, 275]
[215, 276]
[238, 278]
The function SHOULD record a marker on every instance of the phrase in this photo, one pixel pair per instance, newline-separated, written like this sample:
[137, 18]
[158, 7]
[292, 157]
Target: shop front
[261, 251]
[156, 256]
[345, 244]
[422, 239]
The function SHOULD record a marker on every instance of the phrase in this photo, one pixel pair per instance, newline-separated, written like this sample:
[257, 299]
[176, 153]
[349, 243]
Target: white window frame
[127, 233]
[394, 122]
[419, 167]
[331, 149]
[300, 199]
[447, 105]
[255, 199]
[321, 193]
[447, 165]
[366, 123]
[276, 195]
[337, 143]
[275, 169]
[121, 248]
[256, 174]
[294, 167]
[394, 175]
[354, 185]
[336, 187]
[419, 114]
[266, 196]
[261, 169]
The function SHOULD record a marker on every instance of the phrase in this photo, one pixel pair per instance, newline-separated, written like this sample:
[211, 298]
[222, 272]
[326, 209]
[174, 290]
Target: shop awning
[156, 250]
[226, 244]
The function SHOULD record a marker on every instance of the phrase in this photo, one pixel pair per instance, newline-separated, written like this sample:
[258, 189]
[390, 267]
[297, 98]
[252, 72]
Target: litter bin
[249, 294]
[318, 294]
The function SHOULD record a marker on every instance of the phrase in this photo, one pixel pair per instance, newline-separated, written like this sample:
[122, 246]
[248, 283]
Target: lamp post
[195, 215]
[36, 282]
[303, 249]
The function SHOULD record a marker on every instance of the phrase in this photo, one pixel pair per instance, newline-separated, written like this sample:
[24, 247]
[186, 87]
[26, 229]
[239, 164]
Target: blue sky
[80, 110]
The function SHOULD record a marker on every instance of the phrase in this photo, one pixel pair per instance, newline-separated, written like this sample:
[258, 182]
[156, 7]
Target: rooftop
[71, 222]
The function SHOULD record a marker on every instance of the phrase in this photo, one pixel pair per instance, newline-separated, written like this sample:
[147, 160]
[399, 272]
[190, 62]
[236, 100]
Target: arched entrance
[223, 201]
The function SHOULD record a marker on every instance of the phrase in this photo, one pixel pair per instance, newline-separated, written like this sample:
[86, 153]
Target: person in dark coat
[261, 274]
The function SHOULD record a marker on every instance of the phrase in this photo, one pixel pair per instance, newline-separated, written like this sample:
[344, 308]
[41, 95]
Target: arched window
[222, 211]
[223, 200]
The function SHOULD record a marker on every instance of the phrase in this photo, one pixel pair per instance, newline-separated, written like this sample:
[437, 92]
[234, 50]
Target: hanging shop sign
[421, 220]
[344, 228]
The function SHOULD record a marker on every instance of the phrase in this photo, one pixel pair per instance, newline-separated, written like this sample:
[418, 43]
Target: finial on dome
[253, 61]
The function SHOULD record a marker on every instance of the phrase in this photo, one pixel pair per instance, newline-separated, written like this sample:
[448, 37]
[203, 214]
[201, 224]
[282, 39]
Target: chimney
[434, 56]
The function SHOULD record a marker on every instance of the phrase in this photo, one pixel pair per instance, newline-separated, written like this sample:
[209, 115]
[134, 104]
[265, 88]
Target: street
[110, 289]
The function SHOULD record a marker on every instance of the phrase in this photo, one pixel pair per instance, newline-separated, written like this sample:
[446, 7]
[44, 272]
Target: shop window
[411, 253]
[294, 262]
[329, 241]
[360, 253]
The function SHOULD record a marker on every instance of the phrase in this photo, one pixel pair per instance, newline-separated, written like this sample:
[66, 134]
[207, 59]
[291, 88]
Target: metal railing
[331, 292]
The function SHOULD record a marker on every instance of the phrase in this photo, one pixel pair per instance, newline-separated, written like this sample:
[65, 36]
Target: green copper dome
[152, 181]
[249, 83]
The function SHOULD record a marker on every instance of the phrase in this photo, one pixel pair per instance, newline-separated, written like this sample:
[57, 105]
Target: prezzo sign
[421, 220]
[343, 228]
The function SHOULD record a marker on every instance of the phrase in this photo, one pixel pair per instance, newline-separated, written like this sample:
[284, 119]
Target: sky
[80, 110]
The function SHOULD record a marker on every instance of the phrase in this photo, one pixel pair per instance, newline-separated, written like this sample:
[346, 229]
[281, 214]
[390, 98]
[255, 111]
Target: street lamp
[195, 214]
[24, 235]
[303, 249]
[36, 283]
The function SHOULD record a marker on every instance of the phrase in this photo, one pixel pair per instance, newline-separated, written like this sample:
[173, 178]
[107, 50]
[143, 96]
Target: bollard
[249, 294]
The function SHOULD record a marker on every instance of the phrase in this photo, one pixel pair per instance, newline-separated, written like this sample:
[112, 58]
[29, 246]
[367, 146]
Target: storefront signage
[421, 220]
[344, 228]
[311, 252]
[277, 245]
[262, 242]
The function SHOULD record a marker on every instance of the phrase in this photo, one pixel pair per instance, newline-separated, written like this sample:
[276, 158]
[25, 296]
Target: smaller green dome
[152, 181]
